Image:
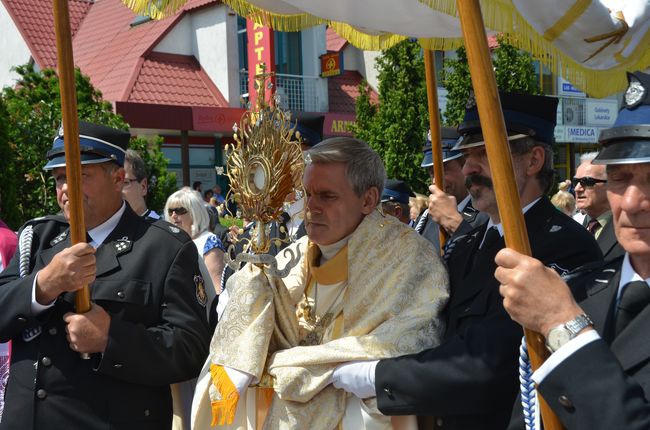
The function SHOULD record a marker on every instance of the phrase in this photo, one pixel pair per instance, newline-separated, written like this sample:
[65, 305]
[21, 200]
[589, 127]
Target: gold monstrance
[264, 166]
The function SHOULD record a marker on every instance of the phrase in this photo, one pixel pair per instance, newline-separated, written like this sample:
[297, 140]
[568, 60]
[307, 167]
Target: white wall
[314, 44]
[369, 69]
[363, 62]
[210, 34]
[13, 48]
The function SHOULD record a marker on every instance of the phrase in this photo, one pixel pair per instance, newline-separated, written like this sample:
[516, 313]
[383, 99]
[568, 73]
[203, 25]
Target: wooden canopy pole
[71, 133]
[500, 160]
[434, 126]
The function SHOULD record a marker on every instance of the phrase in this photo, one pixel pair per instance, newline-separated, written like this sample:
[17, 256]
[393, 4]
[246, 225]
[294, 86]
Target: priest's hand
[241, 380]
[534, 295]
[356, 377]
[88, 333]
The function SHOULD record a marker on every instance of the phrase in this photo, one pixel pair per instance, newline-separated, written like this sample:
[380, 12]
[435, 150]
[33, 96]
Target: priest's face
[333, 210]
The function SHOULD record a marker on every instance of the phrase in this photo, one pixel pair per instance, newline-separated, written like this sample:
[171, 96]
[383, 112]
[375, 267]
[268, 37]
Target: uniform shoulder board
[170, 228]
[48, 218]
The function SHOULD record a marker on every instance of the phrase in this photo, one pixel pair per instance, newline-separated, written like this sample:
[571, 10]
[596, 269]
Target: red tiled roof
[335, 43]
[35, 21]
[171, 79]
[105, 46]
[344, 90]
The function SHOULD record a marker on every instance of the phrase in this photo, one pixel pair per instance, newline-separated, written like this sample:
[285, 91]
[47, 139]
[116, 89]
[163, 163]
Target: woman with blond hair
[186, 209]
[563, 199]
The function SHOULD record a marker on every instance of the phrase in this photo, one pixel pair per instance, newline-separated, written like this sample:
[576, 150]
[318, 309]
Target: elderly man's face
[333, 210]
[591, 199]
[628, 192]
[101, 189]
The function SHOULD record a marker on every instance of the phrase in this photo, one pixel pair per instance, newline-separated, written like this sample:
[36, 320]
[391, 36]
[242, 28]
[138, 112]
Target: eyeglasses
[179, 211]
[587, 181]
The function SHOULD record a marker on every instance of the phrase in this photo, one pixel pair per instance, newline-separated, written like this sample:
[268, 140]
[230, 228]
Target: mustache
[478, 180]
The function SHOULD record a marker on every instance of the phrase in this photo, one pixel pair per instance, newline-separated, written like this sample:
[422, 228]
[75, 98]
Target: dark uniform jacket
[146, 280]
[471, 219]
[605, 384]
[470, 380]
[607, 241]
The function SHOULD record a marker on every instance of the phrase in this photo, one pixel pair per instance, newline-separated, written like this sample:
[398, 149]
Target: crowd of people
[376, 325]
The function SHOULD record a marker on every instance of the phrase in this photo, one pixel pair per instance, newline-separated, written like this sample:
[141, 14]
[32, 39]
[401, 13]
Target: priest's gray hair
[364, 168]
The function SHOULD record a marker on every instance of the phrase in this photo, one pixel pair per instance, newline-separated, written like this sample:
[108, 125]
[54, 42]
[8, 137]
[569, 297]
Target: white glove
[241, 380]
[356, 377]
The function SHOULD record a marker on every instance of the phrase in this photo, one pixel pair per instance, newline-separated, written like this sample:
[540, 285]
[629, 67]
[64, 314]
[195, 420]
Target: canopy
[591, 42]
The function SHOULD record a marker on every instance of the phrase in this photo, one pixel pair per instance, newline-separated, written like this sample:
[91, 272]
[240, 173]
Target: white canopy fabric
[593, 41]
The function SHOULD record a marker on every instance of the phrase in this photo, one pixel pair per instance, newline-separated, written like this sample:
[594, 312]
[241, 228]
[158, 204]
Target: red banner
[330, 65]
[261, 50]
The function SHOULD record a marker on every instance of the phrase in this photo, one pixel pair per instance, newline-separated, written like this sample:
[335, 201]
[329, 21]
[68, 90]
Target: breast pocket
[131, 299]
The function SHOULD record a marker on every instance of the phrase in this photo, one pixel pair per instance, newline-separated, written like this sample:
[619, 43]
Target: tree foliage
[397, 127]
[162, 183]
[514, 71]
[8, 195]
[33, 109]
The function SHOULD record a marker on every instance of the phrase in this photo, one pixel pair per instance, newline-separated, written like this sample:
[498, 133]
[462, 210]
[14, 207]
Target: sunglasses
[179, 211]
[587, 181]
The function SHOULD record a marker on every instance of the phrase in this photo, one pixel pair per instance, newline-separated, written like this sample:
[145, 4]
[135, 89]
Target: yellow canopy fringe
[223, 411]
[502, 16]
[498, 15]
[158, 9]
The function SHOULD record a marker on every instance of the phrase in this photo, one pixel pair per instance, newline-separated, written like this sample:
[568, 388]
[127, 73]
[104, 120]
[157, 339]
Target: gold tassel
[223, 411]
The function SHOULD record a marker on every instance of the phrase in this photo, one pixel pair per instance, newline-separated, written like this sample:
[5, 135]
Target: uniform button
[564, 401]
[389, 393]
[117, 365]
[146, 412]
[466, 310]
[439, 422]
[53, 331]
[46, 361]
[41, 394]
[22, 319]
[121, 294]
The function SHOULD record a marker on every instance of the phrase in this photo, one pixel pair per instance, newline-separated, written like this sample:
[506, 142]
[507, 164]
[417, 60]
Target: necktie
[635, 297]
[491, 237]
[593, 226]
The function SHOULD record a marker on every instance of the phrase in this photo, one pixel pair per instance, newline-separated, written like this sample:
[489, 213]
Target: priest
[365, 286]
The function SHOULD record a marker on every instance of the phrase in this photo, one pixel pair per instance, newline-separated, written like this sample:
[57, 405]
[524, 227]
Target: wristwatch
[563, 333]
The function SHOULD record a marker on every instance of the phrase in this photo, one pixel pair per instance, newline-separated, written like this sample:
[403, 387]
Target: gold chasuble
[381, 295]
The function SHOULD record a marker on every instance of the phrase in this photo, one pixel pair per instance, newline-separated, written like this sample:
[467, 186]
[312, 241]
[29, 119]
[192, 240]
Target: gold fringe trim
[498, 15]
[276, 21]
[155, 9]
[502, 16]
[223, 411]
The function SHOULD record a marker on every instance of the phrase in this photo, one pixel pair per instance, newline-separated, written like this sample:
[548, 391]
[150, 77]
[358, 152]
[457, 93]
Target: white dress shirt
[628, 274]
[98, 236]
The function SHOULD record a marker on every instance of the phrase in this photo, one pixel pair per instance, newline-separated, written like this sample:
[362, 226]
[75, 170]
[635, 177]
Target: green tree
[514, 70]
[8, 195]
[33, 117]
[397, 127]
[162, 183]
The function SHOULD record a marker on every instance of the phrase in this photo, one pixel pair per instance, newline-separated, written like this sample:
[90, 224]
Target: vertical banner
[261, 50]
